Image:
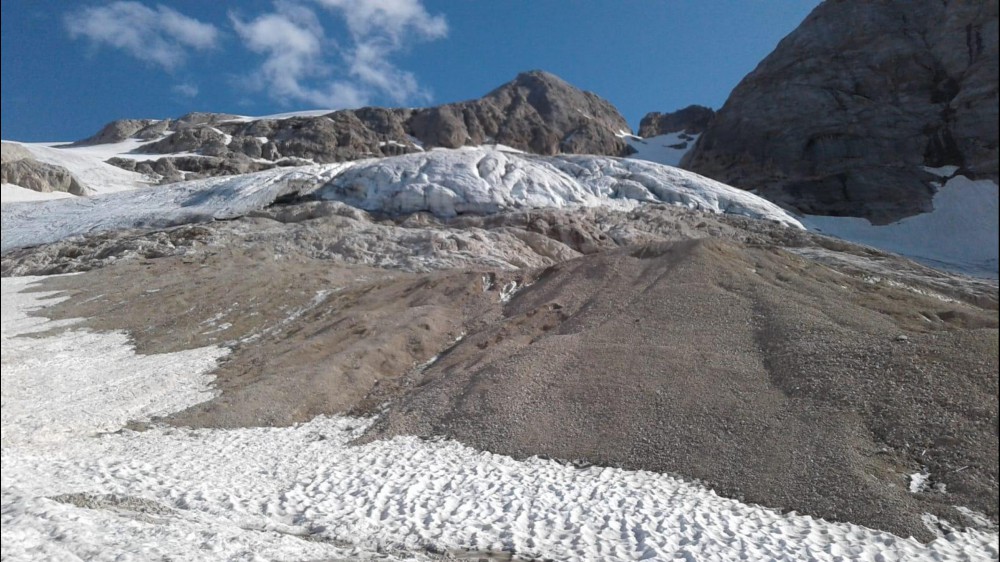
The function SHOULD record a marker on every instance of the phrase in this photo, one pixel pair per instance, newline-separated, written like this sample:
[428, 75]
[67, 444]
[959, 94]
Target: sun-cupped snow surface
[90, 371]
[441, 181]
[666, 149]
[960, 234]
[304, 492]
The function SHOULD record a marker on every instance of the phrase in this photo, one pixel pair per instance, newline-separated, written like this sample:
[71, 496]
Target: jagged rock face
[117, 131]
[843, 115]
[18, 167]
[693, 120]
[536, 112]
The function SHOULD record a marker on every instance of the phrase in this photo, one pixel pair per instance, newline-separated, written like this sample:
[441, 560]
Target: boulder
[40, 176]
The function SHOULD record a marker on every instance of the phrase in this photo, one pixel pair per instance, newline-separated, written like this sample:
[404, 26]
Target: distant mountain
[849, 111]
[536, 112]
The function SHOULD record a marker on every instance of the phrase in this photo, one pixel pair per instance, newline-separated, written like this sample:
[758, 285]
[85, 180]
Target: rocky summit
[536, 112]
[849, 111]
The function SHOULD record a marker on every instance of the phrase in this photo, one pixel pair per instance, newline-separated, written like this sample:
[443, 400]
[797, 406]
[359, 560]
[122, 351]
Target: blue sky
[70, 67]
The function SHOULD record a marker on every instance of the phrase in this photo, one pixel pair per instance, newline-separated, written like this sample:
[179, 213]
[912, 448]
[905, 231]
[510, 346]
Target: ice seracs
[444, 182]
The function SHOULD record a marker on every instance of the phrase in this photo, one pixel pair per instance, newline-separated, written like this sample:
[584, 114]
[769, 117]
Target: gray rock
[191, 139]
[40, 176]
[116, 131]
[179, 168]
[536, 112]
[693, 120]
[203, 118]
[842, 116]
[10, 151]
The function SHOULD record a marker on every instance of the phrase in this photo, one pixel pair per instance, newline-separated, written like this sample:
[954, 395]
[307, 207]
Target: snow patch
[666, 149]
[303, 492]
[11, 193]
[87, 163]
[941, 171]
[77, 382]
[919, 481]
[960, 234]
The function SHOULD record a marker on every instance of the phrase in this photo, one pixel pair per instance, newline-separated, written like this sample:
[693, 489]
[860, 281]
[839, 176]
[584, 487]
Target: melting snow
[304, 493]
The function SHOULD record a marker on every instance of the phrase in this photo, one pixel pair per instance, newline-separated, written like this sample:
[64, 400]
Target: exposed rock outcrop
[693, 120]
[536, 112]
[20, 168]
[842, 117]
[117, 131]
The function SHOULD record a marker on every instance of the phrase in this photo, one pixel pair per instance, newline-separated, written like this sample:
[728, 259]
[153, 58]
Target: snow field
[304, 493]
[95, 382]
[660, 149]
[11, 193]
[959, 234]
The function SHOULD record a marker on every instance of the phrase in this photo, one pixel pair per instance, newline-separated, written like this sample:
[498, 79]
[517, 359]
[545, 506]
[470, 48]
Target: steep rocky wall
[842, 117]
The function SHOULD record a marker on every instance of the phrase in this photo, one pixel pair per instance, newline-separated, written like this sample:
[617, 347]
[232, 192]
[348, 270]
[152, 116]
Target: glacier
[443, 182]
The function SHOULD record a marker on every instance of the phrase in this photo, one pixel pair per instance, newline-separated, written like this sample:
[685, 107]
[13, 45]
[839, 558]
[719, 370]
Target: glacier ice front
[482, 180]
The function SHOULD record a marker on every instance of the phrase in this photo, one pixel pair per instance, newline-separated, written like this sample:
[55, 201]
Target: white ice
[444, 182]
[959, 234]
[304, 493]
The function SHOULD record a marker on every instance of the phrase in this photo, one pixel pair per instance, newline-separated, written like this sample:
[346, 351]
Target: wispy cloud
[160, 35]
[301, 63]
[185, 89]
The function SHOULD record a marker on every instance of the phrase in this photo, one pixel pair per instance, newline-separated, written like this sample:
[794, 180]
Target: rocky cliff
[692, 120]
[536, 112]
[846, 113]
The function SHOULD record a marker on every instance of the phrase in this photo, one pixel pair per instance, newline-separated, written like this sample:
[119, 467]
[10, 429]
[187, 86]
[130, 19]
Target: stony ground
[779, 367]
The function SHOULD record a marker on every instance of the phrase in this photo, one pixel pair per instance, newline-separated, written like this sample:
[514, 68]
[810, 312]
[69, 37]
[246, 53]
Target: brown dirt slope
[767, 375]
[772, 378]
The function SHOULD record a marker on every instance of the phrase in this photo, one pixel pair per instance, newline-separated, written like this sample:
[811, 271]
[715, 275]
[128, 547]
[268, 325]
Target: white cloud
[185, 89]
[301, 63]
[160, 36]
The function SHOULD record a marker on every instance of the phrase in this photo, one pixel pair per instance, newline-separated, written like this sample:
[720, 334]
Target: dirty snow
[101, 382]
[304, 493]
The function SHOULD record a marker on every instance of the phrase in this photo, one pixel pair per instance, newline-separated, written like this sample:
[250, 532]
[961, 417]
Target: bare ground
[815, 381]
